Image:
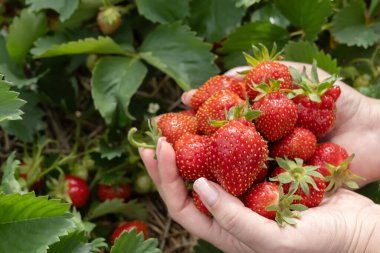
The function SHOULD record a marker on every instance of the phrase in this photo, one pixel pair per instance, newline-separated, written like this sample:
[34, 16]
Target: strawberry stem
[137, 144]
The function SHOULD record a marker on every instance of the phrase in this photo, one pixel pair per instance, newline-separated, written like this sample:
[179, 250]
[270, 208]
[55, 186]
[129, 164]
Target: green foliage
[351, 27]
[24, 30]
[208, 18]
[163, 11]
[76, 242]
[65, 8]
[175, 50]
[9, 184]
[131, 242]
[205, 247]
[37, 222]
[9, 102]
[114, 82]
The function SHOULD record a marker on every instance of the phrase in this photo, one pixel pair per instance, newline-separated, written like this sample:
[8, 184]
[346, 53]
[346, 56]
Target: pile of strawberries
[257, 137]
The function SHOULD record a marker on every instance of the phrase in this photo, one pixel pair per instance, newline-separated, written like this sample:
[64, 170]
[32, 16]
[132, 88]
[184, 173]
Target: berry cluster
[258, 137]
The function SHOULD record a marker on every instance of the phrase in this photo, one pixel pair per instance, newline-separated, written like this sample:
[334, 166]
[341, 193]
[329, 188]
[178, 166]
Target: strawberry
[109, 20]
[189, 112]
[268, 200]
[174, 125]
[236, 155]
[107, 192]
[140, 226]
[262, 174]
[334, 161]
[191, 156]
[77, 190]
[315, 101]
[213, 85]
[278, 118]
[300, 143]
[216, 108]
[264, 68]
[199, 204]
[301, 180]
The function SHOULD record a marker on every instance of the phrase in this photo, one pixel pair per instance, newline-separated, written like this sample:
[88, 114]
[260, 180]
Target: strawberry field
[81, 79]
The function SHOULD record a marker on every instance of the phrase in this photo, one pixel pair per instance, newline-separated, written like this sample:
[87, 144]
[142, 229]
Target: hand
[345, 222]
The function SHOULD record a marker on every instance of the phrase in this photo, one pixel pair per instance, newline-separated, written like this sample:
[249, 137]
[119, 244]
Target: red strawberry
[199, 204]
[262, 174]
[300, 143]
[191, 156]
[174, 125]
[77, 190]
[107, 192]
[301, 180]
[236, 155]
[260, 196]
[265, 67]
[334, 161]
[216, 108]
[317, 117]
[140, 226]
[334, 92]
[213, 85]
[109, 20]
[278, 118]
[189, 112]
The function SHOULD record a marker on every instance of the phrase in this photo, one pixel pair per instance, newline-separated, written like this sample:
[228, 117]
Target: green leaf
[77, 242]
[65, 8]
[9, 102]
[31, 122]
[100, 45]
[349, 26]
[9, 184]
[271, 14]
[245, 36]
[371, 191]
[132, 209]
[374, 8]
[115, 80]
[175, 50]
[109, 152]
[304, 51]
[163, 11]
[23, 31]
[131, 242]
[205, 247]
[37, 222]
[208, 18]
[246, 3]
[309, 15]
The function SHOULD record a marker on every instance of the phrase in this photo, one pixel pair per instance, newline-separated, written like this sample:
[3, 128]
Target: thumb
[231, 214]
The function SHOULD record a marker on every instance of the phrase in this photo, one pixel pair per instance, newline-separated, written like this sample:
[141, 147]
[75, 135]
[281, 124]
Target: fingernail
[208, 192]
[159, 144]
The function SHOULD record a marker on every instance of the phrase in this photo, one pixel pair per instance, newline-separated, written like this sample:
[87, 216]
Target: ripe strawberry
[260, 196]
[216, 108]
[333, 92]
[215, 84]
[140, 226]
[278, 118]
[107, 192]
[199, 204]
[191, 156]
[264, 68]
[77, 190]
[268, 200]
[109, 20]
[300, 143]
[236, 155]
[174, 125]
[333, 162]
[262, 174]
[301, 180]
[189, 112]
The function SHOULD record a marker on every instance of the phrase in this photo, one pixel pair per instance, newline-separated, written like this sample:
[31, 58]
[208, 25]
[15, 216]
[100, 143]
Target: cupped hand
[345, 222]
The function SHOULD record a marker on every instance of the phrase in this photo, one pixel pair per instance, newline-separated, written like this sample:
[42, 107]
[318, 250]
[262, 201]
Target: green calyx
[311, 86]
[154, 134]
[264, 88]
[262, 54]
[297, 175]
[111, 14]
[285, 207]
[237, 112]
[340, 175]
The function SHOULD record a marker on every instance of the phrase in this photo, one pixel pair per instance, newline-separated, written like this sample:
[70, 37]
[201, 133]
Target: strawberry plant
[76, 75]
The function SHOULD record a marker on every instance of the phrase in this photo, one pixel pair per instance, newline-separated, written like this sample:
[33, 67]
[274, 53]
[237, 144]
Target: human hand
[339, 224]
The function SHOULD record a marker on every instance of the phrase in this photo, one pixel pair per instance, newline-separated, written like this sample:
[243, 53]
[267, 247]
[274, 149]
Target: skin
[344, 222]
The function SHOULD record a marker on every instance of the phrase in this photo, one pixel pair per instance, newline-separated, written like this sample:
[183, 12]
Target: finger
[186, 97]
[234, 217]
[235, 72]
[147, 156]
